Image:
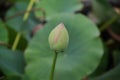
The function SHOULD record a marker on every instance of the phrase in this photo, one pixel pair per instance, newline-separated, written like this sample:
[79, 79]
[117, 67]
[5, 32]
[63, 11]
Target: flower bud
[59, 38]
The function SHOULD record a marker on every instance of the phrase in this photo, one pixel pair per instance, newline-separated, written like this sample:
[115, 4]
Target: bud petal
[59, 38]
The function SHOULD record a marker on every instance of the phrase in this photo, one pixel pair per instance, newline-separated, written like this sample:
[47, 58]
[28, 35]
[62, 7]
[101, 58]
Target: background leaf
[54, 7]
[110, 75]
[116, 56]
[15, 19]
[12, 63]
[103, 64]
[102, 9]
[3, 32]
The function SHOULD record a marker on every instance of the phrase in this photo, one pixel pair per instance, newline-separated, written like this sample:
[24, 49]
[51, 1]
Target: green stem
[28, 10]
[53, 66]
[17, 38]
[108, 23]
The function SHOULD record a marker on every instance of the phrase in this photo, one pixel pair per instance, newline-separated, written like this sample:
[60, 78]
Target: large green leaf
[81, 58]
[3, 32]
[12, 63]
[53, 7]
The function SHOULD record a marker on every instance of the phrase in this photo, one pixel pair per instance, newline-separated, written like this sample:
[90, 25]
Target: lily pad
[80, 59]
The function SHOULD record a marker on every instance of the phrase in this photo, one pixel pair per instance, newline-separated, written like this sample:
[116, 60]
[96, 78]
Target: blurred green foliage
[84, 59]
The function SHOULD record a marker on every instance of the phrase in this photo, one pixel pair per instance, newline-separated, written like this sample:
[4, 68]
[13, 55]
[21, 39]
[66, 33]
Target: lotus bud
[59, 38]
